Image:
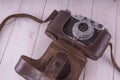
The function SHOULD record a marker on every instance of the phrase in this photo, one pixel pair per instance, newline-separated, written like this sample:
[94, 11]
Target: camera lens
[82, 30]
[83, 27]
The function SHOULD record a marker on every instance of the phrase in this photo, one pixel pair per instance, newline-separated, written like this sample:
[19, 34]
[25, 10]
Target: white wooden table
[26, 37]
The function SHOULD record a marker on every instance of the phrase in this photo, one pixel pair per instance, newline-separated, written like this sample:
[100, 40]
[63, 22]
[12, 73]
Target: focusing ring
[82, 35]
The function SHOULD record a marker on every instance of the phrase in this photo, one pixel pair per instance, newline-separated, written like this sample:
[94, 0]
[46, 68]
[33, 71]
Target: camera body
[58, 63]
[81, 32]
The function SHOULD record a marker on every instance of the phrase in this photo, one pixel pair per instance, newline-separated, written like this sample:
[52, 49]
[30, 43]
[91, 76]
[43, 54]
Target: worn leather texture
[93, 51]
[61, 61]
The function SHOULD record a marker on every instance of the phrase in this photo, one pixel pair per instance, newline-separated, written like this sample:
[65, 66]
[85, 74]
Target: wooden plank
[117, 47]
[84, 8]
[22, 39]
[104, 11]
[7, 8]
[81, 7]
[43, 41]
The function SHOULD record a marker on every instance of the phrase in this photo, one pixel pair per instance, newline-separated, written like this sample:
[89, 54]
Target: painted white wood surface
[22, 39]
[117, 44]
[104, 11]
[6, 9]
[83, 7]
[26, 37]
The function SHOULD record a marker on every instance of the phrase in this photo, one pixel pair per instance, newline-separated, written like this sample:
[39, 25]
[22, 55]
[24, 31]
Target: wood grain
[21, 40]
[26, 37]
[7, 8]
[104, 12]
[117, 43]
[43, 41]
[84, 8]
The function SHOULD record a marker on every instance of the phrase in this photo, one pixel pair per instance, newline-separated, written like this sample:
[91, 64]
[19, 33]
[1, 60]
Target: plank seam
[91, 18]
[9, 37]
[38, 30]
[115, 35]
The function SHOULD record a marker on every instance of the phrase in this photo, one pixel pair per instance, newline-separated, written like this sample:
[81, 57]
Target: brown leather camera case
[93, 51]
[61, 61]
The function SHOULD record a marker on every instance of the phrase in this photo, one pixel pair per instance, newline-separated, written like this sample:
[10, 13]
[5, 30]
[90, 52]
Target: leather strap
[113, 59]
[52, 16]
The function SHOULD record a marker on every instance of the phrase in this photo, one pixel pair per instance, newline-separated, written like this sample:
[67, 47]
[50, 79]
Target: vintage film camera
[75, 37]
[81, 32]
